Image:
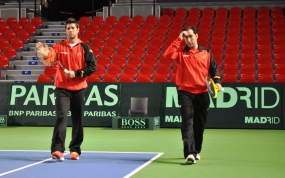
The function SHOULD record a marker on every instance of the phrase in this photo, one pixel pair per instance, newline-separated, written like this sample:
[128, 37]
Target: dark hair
[194, 29]
[72, 20]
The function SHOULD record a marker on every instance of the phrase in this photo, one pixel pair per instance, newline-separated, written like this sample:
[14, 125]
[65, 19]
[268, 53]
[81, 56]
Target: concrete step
[18, 81]
[48, 40]
[23, 72]
[26, 62]
[54, 34]
[29, 58]
[54, 30]
[22, 78]
[26, 53]
[56, 26]
[34, 44]
[50, 37]
[62, 23]
[29, 67]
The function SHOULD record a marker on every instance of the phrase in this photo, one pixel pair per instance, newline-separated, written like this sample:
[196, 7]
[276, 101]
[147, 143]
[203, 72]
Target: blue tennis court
[34, 164]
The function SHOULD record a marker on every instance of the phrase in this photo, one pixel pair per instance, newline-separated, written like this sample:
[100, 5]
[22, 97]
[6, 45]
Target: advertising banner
[241, 105]
[283, 105]
[34, 104]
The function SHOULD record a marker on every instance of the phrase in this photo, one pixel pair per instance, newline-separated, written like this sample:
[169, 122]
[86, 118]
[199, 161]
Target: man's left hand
[70, 74]
[219, 86]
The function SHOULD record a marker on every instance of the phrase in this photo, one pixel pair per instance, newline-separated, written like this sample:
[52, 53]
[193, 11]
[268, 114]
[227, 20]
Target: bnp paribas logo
[261, 120]
[3, 120]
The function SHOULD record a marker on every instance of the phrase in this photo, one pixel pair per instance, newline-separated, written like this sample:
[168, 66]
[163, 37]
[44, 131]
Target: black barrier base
[135, 123]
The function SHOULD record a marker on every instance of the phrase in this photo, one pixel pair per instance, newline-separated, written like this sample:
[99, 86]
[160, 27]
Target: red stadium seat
[138, 19]
[126, 78]
[37, 22]
[104, 60]
[132, 70]
[11, 21]
[96, 51]
[10, 36]
[229, 78]
[119, 60]
[112, 20]
[109, 51]
[50, 70]
[235, 11]
[4, 62]
[152, 19]
[121, 26]
[124, 51]
[118, 34]
[93, 27]
[89, 34]
[114, 69]
[247, 78]
[107, 27]
[97, 20]
[151, 60]
[24, 21]
[113, 42]
[163, 69]
[135, 60]
[147, 70]
[265, 78]
[131, 34]
[17, 28]
[168, 12]
[142, 42]
[17, 44]
[181, 12]
[2, 22]
[208, 12]
[110, 78]
[45, 78]
[94, 78]
[143, 78]
[10, 53]
[125, 20]
[221, 12]
[25, 37]
[160, 78]
[4, 44]
[103, 34]
[129, 42]
[31, 29]
[135, 26]
[280, 78]
[84, 20]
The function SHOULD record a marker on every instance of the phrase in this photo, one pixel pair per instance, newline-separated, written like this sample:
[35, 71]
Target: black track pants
[66, 100]
[194, 110]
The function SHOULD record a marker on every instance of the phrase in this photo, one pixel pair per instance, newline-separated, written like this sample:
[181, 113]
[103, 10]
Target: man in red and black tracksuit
[78, 59]
[194, 63]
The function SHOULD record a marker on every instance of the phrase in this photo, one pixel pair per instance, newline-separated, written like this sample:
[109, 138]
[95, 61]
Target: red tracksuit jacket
[193, 66]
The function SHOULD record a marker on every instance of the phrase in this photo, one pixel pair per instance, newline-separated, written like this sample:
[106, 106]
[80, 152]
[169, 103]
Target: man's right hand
[182, 34]
[42, 49]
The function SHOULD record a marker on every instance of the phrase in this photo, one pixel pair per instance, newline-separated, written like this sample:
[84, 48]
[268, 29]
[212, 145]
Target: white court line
[24, 167]
[142, 166]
